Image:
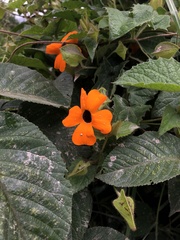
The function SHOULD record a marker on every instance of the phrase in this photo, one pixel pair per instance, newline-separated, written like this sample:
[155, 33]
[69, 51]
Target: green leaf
[34, 30]
[2, 12]
[121, 50]
[35, 197]
[142, 160]
[160, 21]
[28, 85]
[164, 99]
[81, 213]
[124, 112]
[101, 233]
[170, 119]
[16, 4]
[156, 3]
[125, 206]
[139, 96]
[29, 62]
[162, 74]
[80, 169]
[123, 128]
[165, 50]
[72, 54]
[174, 191]
[120, 22]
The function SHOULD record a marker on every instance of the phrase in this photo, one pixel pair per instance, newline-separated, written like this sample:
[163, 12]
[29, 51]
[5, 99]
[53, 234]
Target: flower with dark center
[87, 117]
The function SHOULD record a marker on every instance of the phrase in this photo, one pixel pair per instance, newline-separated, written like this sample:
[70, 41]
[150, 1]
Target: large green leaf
[121, 22]
[28, 85]
[101, 233]
[35, 197]
[142, 160]
[162, 74]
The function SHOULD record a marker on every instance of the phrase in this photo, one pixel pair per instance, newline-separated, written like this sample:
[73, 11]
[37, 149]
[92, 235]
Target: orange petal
[83, 99]
[59, 63]
[74, 117]
[101, 120]
[84, 135]
[94, 100]
[73, 40]
[53, 48]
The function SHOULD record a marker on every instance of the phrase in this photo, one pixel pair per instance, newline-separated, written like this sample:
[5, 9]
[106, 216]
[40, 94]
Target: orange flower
[54, 48]
[87, 117]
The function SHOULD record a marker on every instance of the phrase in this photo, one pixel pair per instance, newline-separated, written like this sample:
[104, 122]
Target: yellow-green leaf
[156, 3]
[125, 206]
[80, 169]
[121, 50]
[165, 50]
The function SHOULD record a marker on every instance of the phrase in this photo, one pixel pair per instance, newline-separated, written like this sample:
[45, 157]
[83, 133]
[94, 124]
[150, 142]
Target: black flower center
[87, 116]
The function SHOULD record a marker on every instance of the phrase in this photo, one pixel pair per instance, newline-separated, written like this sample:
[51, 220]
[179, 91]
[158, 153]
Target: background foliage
[52, 189]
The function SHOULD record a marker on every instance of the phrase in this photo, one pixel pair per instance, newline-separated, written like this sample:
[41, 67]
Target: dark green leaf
[124, 112]
[80, 181]
[35, 196]
[28, 85]
[164, 99]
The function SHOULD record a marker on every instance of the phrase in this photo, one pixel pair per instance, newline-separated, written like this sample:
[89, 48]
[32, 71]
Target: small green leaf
[156, 3]
[125, 206]
[165, 50]
[170, 119]
[123, 128]
[80, 169]
[162, 74]
[121, 50]
[72, 54]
